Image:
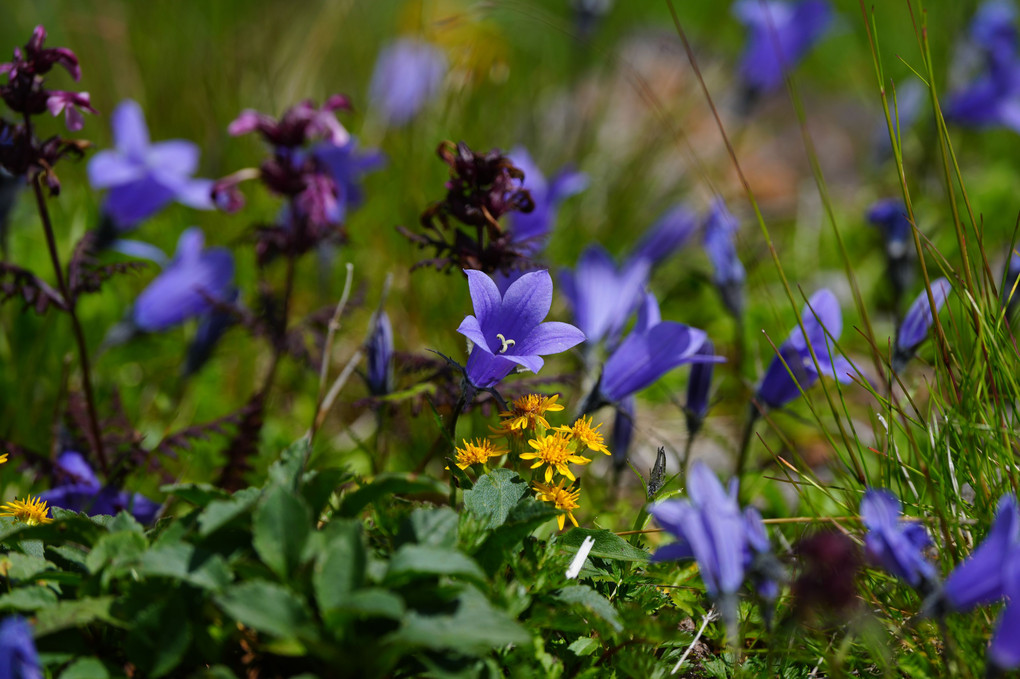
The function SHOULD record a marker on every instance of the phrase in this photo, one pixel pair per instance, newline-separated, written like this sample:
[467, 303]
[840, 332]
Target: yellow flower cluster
[477, 452]
[32, 511]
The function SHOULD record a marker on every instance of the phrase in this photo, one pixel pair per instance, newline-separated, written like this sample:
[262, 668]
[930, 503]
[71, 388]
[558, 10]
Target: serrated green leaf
[28, 599]
[266, 607]
[436, 527]
[340, 568]
[221, 512]
[417, 561]
[181, 561]
[280, 528]
[68, 614]
[374, 602]
[523, 519]
[386, 485]
[319, 486]
[608, 545]
[494, 495]
[586, 597]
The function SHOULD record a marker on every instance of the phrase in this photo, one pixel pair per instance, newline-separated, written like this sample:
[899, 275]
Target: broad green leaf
[124, 521]
[475, 628]
[417, 561]
[266, 607]
[74, 613]
[608, 545]
[494, 495]
[181, 561]
[280, 528]
[374, 602]
[340, 568]
[115, 548]
[28, 599]
[221, 512]
[586, 597]
[524, 518]
[319, 486]
[436, 527]
[584, 646]
[386, 485]
[286, 471]
[198, 494]
[18, 566]
[86, 668]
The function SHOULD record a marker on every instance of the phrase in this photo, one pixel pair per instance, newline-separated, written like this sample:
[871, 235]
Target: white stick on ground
[709, 617]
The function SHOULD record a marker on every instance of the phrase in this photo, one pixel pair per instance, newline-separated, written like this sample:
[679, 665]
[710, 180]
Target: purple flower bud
[212, 325]
[194, 279]
[602, 296]
[720, 228]
[667, 235]
[408, 75]
[623, 431]
[821, 314]
[380, 356]
[780, 34]
[914, 328]
[143, 177]
[507, 330]
[698, 387]
[896, 546]
[531, 228]
[18, 657]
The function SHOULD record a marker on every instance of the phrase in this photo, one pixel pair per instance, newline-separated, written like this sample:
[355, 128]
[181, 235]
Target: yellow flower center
[31, 511]
[554, 450]
[477, 452]
[527, 411]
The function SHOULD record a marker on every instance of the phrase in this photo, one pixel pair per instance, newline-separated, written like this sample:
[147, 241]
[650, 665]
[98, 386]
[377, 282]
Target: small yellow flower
[31, 511]
[3, 458]
[564, 498]
[527, 411]
[478, 452]
[588, 436]
[556, 451]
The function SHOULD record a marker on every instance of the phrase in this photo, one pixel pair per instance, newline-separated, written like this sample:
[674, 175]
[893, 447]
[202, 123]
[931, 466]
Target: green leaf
[386, 485]
[608, 545]
[86, 668]
[280, 528]
[416, 561]
[17, 566]
[198, 494]
[266, 607]
[476, 628]
[28, 599]
[524, 518]
[221, 512]
[74, 613]
[286, 471]
[587, 598]
[160, 634]
[115, 548]
[340, 568]
[124, 521]
[374, 602]
[436, 527]
[584, 646]
[494, 495]
[181, 561]
[319, 486]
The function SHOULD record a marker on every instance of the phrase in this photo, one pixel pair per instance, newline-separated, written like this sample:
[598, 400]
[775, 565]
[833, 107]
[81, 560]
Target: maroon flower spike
[298, 126]
[24, 92]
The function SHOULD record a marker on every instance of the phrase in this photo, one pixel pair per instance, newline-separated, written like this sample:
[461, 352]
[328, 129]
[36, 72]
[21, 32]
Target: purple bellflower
[669, 233]
[531, 228]
[890, 216]
[507, 330]
[623, 431]
[346, 164]
[990, 574]
[993, 31]
[781, 33]
[408, 75]
[699, 386]
[653, 348]
[896, 546]
[142, 177]
[79, 490]
[720, 228]
[821, 316]
[195, 279]
[379, 350]
[601, 295]
[914, 328]
[710, 528]
[18, 657]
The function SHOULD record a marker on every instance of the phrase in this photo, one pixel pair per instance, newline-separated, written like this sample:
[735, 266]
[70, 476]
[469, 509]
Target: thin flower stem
[745, 441]
[334, 325]
[79, 335]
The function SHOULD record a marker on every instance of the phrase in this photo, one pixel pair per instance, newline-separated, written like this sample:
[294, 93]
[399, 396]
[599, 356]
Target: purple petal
[552, 337]
[643, 358]
[526, 304]
[486, 300]
[469, 328]
[485, 369]
[667, 235]
[919, 319]
[979, 579]
[130, 134]
[777, 387]
[1004, 651]
[408, 74]
[531, 362]
[675, 551]
[110, 168]
[821, 310]
[131, 203]
[173, 158]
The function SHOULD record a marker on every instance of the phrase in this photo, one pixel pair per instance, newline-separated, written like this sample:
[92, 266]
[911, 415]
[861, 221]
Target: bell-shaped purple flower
[347, 164]
[507, 330]
[18, 657]
[990, 101]
[79, 490]
[993, 31]
[408, 75]
[720, 228]
[601, 295]
[531, 228]
[699, 385]
[982, 578]
[896, 546]
[710, 528]
[780, 34]
[379, 350]
[653, 348]
[914, 328]
[142, 177]
[820, 316]
[669, 233]
[195, 279]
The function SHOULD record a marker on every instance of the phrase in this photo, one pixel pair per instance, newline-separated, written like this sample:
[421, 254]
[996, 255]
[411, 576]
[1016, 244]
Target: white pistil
[507, 343]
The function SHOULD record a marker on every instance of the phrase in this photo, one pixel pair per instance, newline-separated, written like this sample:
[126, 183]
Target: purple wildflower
[71, 104]
[669, 233]
[781, 33]
[653, 348]
[896, 546]
[143, 177]
[507, 330]
[531, 228]
[914, 328]
[188, 287]
[212, 325]
[698, 387]
[890, 216]
[601, 295]
[710, 528]
[79, 490]
[18, 657]
[821, 317]
[380, 355]
[623, 431]
[347, 164]
[720, 229]
[408, 75]
[993, 31]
